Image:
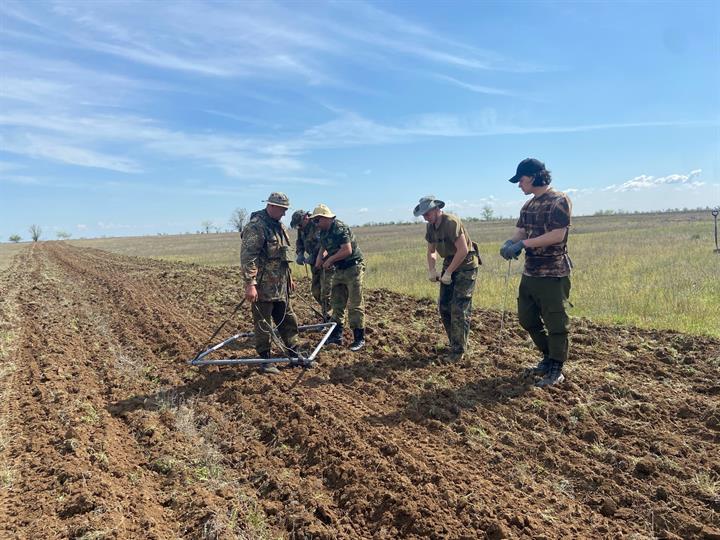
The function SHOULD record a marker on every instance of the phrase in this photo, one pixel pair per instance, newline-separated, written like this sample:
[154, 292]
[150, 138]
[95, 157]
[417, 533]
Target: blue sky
[129, 118]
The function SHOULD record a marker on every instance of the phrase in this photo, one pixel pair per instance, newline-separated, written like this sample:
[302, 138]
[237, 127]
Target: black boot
[553, 376]
[359, 334]
[542, 368]
[335, 336]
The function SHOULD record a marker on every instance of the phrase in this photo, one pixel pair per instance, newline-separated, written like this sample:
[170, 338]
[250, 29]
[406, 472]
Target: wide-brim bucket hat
[322, 210]
[278, 198]
[426, 204]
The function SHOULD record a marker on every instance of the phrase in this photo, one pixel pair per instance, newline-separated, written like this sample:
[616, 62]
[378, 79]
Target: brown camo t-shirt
[444, 237]
[539, 215]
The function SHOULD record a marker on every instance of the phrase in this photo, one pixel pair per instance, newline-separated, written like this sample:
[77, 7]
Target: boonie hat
[427, 203]
[278, 198]
[297, 218]
[527, 167]
[322, 211]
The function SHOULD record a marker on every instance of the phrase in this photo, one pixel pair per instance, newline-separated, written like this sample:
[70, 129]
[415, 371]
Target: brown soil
[108, 433]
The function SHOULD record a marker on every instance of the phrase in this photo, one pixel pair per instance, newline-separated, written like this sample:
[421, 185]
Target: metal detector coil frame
[299, 361]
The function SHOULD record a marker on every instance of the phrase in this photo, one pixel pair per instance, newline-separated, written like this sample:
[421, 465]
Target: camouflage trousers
[542, 311]
[321, 286]
[347, 291]
[264, 314]
[455, 305]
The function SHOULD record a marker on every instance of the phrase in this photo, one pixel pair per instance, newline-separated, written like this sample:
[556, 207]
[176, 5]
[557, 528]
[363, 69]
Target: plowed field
[108, 433]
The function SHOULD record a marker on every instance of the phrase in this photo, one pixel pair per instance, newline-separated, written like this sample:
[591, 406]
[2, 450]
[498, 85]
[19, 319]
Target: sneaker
[553, 376]
[359, 334]
[541, 369]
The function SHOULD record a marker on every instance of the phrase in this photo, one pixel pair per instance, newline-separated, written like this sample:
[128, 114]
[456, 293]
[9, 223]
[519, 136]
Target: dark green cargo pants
[542, 310]
[264, 313]
[455, 305]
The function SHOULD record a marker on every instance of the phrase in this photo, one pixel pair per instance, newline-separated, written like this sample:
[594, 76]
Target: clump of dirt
[109, 433]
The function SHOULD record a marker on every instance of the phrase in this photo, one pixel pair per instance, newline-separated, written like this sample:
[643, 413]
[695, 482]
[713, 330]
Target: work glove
[446, 278]
[503, 249]
[433, 275]
[513, 250]
[300, 259]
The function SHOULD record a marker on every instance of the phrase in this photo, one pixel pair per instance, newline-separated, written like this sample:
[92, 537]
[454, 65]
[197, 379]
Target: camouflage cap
[426, 204]
[297, 218]
[278, 198]
[322, 210]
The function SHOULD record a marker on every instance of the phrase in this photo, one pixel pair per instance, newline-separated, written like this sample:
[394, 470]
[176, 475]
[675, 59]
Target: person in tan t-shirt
[446, 236]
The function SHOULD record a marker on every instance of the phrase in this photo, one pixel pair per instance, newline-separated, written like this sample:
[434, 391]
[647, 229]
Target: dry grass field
[649, 270]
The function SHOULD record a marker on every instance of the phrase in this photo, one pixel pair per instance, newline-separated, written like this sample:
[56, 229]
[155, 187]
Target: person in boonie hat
[426, 204]
[278, 198]
[265, 258]
[339, 251]
[446, 236]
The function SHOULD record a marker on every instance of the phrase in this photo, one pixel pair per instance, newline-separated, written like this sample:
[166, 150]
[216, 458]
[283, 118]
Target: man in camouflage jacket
[542, 231]
[339, 250]
[265, 265]
[446, 236]
[307, 246]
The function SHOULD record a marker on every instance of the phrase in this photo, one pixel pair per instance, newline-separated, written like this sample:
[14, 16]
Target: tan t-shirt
[443, 240]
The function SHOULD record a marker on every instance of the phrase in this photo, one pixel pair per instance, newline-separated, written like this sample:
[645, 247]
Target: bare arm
[519, 235]
[344, 251]
[431, 257]
[550, 238]
[461, 251]
[319, 260]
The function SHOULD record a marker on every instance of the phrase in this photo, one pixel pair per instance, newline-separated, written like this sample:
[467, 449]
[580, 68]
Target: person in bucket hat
[542, 231]
[447, 237]
[279, 199]
[265, 267]
[339, 250]
[307, 246]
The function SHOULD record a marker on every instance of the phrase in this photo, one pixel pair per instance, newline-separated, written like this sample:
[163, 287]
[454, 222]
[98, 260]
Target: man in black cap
[542, 231]
[446, 236]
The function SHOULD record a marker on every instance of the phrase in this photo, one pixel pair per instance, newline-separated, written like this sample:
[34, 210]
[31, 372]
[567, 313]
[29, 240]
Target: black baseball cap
[527, 167]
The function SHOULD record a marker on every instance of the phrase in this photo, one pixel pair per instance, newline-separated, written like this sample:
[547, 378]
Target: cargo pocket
[464, 283]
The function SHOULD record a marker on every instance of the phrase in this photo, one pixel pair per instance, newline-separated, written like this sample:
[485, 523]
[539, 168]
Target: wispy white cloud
[480, 89]
[55, 150]
[645, 181]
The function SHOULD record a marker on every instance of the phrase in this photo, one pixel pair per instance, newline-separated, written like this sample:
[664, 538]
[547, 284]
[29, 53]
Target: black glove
[513, 250]
[503, 250]
[300, 259]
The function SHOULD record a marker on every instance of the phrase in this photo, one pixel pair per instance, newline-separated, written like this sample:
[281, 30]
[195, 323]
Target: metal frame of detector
[300, 361]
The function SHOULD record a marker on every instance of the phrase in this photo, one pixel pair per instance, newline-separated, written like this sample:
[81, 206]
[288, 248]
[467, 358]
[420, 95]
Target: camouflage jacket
[265, 257]
[539, 215]
[337, 235]
[308, 241]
